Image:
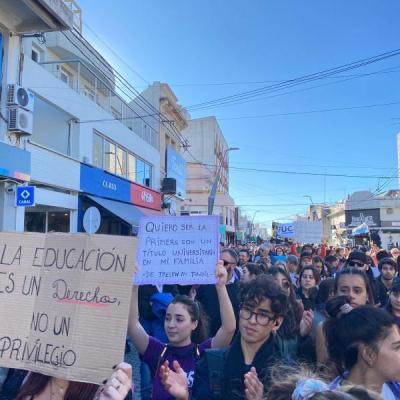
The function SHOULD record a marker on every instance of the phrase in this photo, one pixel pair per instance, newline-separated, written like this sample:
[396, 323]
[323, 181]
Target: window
[109, 156]
[117, 160]
[97, 151]
[35, 222]
[36, 53]
[47, 221]
[131, 167]
[147, 175]
[89, 92]
[121, 162]
[58, 222]
[140, 171]
[65, 76]
[116, 113]
[143, 173]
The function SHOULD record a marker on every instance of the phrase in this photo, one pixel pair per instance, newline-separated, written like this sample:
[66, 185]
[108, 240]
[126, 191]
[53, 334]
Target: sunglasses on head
[355, 264]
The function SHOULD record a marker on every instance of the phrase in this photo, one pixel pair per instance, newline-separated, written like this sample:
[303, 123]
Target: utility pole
[213, 192]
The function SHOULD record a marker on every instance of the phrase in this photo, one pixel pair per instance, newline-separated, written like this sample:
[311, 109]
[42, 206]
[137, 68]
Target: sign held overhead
[177, 249]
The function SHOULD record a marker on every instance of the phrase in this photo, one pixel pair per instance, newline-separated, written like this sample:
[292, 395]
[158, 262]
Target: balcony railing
[82, 79]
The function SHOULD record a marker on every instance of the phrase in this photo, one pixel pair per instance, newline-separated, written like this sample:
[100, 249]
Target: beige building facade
[208, 153]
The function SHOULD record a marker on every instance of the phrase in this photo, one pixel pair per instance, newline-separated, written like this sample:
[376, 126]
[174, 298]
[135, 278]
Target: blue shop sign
[176, 168]
[25, 196]
[100, 183]
[14, 162]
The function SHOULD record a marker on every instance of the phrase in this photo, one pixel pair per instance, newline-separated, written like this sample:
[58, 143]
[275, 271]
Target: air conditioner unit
[20, 120]
[20, 96]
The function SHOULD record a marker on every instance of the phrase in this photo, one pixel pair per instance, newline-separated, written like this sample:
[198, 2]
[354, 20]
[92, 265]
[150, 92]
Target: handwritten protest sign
[177, 249]
[64, 303]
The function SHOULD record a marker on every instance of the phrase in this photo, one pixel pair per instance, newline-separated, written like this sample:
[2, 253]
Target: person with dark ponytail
[186, 328]
[364, 344]
[351, 282]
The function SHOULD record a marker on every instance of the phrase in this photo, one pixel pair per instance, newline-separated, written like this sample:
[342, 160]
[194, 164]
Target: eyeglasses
[355, 264]
[226, 263]
[262, 318]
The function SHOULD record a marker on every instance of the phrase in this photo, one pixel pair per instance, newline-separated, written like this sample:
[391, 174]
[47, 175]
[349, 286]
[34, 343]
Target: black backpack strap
[160, 360]
[215, 362]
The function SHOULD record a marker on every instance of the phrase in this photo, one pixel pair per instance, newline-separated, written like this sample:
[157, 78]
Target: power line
[115, 54]
[233, 83]
[324, 110]
[303, 173]
[296, 81]
[281, 94]
[305, 112]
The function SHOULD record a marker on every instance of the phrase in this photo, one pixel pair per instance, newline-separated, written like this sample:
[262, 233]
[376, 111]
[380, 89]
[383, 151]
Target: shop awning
[127, 212]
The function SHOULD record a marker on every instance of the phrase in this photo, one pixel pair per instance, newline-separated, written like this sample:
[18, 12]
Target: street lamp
[252, 223]
[213, 192]
[308, 197]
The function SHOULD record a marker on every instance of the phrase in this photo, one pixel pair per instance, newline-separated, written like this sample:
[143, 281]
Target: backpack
[213, 360]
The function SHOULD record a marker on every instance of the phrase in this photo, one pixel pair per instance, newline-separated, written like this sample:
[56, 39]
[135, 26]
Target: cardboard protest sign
[308, 231]
[181, 250]
[64, 303]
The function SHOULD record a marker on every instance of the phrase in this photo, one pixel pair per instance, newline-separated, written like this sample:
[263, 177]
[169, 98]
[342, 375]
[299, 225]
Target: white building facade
[87, 145]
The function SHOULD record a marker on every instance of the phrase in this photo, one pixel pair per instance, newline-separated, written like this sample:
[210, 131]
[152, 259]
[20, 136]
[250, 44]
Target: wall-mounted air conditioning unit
[20, 96]
[20, 120]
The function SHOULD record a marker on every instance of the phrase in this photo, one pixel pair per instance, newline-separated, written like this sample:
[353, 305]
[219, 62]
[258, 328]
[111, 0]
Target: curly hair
[264, 287]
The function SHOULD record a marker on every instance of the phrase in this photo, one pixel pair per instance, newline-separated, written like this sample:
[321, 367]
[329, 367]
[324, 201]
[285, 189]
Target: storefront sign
[25, 196]
[145, 197]
[15, 163]
[59, 293]
[176, 168]
[103, 184]
[182, 250]
[357, 217]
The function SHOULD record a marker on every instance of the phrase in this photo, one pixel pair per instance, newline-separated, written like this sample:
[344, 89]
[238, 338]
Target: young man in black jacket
[383, 283]
[242, 370]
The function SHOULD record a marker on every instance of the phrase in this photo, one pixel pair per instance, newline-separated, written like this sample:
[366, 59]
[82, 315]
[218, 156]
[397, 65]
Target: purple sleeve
[152, 354]
[205, 345]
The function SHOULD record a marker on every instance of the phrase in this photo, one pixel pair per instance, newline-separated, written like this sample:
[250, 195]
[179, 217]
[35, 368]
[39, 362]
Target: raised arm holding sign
[186, 332]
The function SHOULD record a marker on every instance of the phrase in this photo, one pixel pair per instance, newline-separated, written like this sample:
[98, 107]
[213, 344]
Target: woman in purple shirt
[185, 329]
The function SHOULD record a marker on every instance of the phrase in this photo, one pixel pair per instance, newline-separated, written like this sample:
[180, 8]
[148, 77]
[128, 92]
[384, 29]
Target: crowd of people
[281, 322]
[310, 322]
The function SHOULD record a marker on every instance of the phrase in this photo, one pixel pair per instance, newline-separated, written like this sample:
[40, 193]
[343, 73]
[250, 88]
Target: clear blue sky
[193, 45]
